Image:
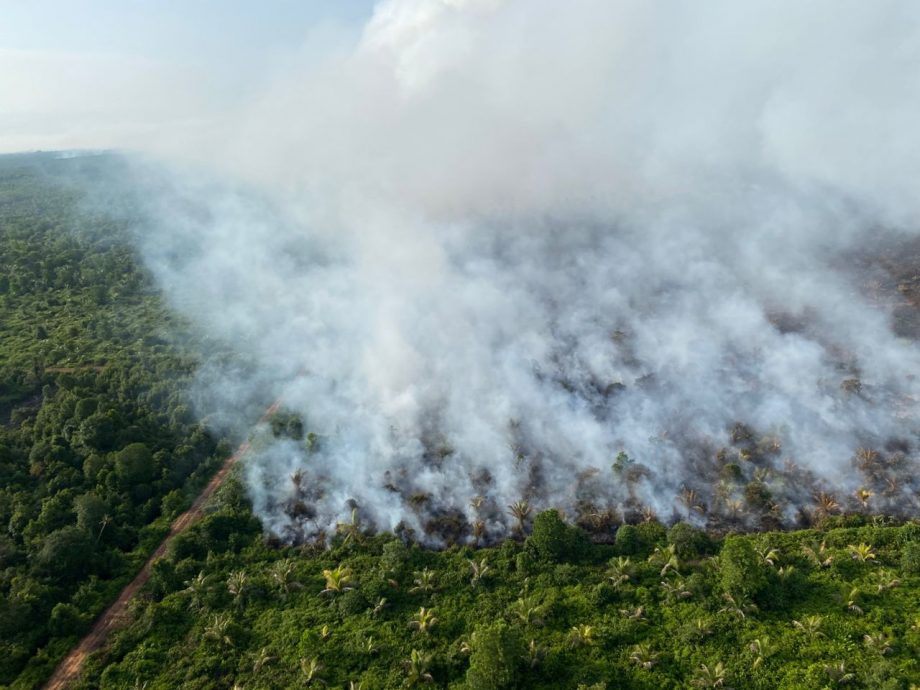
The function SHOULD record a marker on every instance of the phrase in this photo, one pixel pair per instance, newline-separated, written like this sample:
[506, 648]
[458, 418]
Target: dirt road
[114, 616]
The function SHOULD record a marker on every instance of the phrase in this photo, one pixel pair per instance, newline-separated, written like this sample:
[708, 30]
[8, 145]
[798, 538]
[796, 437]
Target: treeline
[660, 608]
[98, 447]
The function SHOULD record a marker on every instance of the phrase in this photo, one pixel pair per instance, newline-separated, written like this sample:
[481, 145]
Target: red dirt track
[116, 614]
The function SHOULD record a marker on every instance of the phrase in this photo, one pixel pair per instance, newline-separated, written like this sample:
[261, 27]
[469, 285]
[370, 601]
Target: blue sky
[83, 72]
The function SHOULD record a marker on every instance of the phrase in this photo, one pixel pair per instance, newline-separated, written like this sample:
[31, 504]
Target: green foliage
[741, 572]
[497, 657]
[910, 558]
[689, 542]
[555, 541]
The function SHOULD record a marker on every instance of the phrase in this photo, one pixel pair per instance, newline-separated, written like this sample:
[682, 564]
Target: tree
[496, 659]
[553, 540]
[741, 572]
[134, 465]
[66, 554]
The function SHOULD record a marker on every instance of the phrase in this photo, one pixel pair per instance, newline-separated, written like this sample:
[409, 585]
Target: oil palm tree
[218, 630]
[675, 590]
[535, 653]
[338, 580]
[762, 648]
[425, 581]
[861, 552]
[853, 601]
[707, 676]
[826, 504]
[818, 554]
[424, 620]
[262, 659]
[527, 611]
[283, 576]
[581, 636]
[621, 571]
[643, 656]
[417, 668]
[480, 569]
[738, 607]
[351, 529]
[838, 674]
[520, 511]
[879, 642]
[665, 558]
[238, 586]
[864, 495]
[885, 581]
[196, 588]
[636, 614]
[810, 625]
[312, 670]
[768, 555]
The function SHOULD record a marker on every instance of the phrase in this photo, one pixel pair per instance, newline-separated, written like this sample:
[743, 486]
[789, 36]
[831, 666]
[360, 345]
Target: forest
[100, 447]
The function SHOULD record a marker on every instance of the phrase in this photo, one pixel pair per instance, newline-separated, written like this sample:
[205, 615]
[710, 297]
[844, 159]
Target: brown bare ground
[117, 614]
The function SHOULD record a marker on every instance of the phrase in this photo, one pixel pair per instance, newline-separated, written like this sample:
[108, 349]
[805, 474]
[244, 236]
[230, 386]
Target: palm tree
[520, 510]
[479, 531]
[852, 601]
[810, 625]
[838, 674]
[425, 582]
[709, 676]
[218, 630]
[739, 607]
[864, 495]
[324, 633]
[768, 555]
[424, 620]
[867, 460]
[351, 529]
[379, 606]
[691, 500]
[818, 554]
[886, 581]
[861, 552]
[643, 656]
[338, 580]
[312, 670]
[785, 571]
[195, 588]
[103, 523]
[636, 614]
[581, 636]
[238, 585]
[480, 570]
[526, 611]
[370, 646]
[417, 668]
[666, 558]
[879, 642]
[535, 653]
[826, 504]
[675, 590]
[282, 574]
[620, 572]
[263, 659]
[761, 648]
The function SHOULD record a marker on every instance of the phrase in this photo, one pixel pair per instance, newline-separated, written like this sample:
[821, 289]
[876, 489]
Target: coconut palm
[479, 531]
[581, 636]
[861, 552]
[527, 611]
[262, 659]
[785, 571]
[675, 590]
[479, 571]
[826, 504]
[885, 581]
[810, 625]
[879, 642]
[417, 668]
[283, 576]
[738, 607]
[636, 614]
[621, 571]
[853, 601]
[338, 580]
[238, 585]
[768, 555]
[196, 588]
[379, 606]
[520, 510]
[818, 554]
[761, 648]
[535, 653]
[864, 495]
[218, 630]
[838, 674]
[425, 581]
[665, 558]
[424, 620]
[325, 633]
[691, 500]
[351, 529]
[643, 656]
[707, 676]
[312, 670]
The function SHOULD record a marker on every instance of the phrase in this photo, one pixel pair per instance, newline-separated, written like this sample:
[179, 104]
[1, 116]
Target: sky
[109, 73]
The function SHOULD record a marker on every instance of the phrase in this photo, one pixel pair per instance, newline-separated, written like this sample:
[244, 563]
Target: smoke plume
[609, 257]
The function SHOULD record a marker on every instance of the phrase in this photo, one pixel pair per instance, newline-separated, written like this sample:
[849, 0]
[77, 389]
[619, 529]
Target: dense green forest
[99, 449]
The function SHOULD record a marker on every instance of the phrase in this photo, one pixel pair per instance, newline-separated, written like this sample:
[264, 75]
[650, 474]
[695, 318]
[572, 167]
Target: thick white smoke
[499, 242]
